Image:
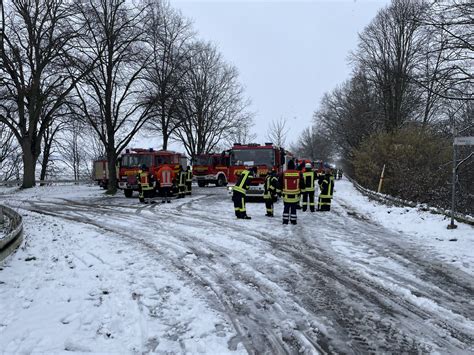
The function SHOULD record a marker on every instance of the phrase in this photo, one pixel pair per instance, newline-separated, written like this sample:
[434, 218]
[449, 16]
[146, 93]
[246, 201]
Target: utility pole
[453, 183]
[457, 141]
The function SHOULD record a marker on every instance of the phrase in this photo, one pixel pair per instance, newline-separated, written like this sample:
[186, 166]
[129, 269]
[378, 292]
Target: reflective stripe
[291, 198]
[308, 187]
[240, 187]
[321, 187]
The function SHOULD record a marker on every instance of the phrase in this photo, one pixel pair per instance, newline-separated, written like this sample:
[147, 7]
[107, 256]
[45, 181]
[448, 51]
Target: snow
[83, 291]
[106, 274]
[427, 229]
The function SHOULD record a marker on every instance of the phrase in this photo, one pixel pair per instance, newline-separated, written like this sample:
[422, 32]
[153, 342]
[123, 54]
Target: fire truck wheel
[221, 181]
[201, 183]
[128, 192]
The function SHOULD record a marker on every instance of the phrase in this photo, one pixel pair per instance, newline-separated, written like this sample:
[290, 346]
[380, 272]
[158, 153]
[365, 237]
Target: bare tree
[111, 96]
[429, 75]
[387, 53]
[49, 145]
[349, 114]
[243, 134]
[453, 20]
[168, 34]
[38, 70]
[72, 148]
[314, 144]
[211, 102]
[278, 131]
[10, 156]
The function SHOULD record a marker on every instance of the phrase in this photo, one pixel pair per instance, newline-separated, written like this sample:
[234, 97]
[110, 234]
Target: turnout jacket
[326, 185]
[309, 177]
[271, 187]
[292, 183]
[182, 178]
[189, 175]
[243, 182]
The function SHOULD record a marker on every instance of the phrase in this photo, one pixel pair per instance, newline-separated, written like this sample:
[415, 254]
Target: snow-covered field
[107, 274]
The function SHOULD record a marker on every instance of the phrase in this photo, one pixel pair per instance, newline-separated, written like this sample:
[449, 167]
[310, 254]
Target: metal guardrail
[387, 199]
[14, 236]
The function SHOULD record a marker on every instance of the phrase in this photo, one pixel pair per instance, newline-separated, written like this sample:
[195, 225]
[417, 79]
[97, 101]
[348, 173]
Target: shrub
[417, 164]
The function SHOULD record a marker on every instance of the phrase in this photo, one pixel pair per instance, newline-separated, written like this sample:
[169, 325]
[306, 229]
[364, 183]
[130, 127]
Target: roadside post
[457, 141]
[381, 179]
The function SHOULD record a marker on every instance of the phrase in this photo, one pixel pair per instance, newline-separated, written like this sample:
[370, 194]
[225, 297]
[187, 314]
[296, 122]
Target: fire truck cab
[211, 169]
[262, 157]
[132, 160]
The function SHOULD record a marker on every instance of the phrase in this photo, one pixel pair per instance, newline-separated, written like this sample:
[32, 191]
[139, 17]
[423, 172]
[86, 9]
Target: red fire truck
[264, 157]
[133, 159]
[211, 169]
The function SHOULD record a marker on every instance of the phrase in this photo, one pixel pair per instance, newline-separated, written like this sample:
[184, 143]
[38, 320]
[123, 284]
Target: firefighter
[271, 189]
[181, 182]
[309, 189]
[189, 180]
[326, 186]
[145, 183]
[239, 193]
[165, 182]
[291, 183]
[300, 168]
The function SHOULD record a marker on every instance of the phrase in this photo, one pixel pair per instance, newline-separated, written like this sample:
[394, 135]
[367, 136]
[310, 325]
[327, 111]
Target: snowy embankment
[107, 274]
[427, 229]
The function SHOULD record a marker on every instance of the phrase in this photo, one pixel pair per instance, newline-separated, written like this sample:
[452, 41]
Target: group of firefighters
[293, 185]
[148, 185]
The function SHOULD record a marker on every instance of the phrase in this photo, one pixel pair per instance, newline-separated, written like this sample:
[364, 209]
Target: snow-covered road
[100, 273]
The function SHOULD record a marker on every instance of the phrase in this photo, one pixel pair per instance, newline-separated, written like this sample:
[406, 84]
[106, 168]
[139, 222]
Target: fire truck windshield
[202, 160]
[131, 161]
[164, 159]
[257, 156]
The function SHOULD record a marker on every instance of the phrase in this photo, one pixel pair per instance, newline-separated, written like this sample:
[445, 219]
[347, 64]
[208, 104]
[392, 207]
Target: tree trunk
[164, 127]
[45, 162]
[165, 141]
[111, 161]
[44, 166]
[29, 165]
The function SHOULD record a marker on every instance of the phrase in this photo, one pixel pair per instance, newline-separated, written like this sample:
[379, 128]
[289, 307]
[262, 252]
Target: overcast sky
[289, 53]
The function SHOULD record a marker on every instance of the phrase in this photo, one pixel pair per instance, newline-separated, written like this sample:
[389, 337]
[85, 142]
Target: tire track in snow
[321, 277]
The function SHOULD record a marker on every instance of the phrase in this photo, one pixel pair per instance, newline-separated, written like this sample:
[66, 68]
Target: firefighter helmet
[308, 166]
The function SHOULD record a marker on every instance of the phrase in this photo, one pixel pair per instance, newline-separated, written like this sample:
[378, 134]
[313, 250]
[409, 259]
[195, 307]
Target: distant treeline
[410, 93]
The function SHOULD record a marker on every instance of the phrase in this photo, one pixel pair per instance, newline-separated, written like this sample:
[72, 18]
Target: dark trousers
[289, 212]
[308, 200]
[188, 187]
[269, 206]
[239, 204]
[166, 193]
[324, 204]
[181, 191]
[143, 193]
